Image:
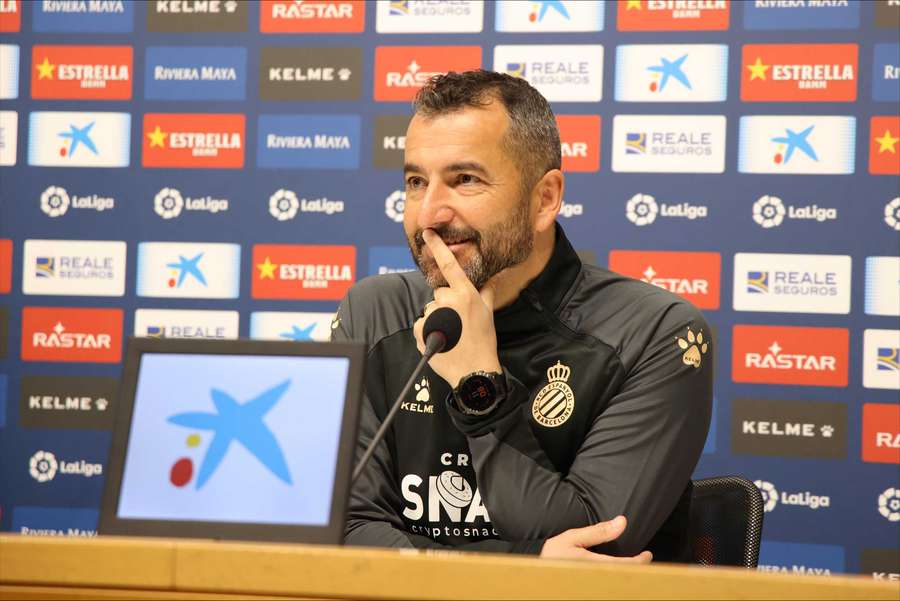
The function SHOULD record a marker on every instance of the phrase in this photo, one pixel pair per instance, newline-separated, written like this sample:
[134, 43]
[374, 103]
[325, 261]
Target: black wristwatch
[480, 392]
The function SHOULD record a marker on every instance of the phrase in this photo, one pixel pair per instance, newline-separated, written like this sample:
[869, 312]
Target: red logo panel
[666, 15]
[302, 272]
[691, 275]
[790, 355]
[6, 253]
[71, 334]
[312, 16]
[884, 146]
[10, 16]
[193, 140]
[881, 433]
[799, 72]
[81, 72]
[580, 137]
[401, 70]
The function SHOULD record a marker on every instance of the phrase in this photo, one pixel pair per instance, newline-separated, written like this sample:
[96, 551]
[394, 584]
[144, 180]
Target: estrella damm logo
[10, 16]
[799, 72]
[81, 72]
[193, 140]
[669, 15]
[312, 16]
[884, 147]
[302, 272]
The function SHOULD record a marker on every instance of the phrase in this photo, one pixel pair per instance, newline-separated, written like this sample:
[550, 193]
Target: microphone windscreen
[446, 321]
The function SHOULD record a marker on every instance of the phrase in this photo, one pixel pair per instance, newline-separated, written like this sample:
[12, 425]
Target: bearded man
[575, 398]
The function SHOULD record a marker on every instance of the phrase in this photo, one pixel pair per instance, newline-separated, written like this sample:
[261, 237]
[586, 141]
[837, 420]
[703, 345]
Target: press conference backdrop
[223, 169]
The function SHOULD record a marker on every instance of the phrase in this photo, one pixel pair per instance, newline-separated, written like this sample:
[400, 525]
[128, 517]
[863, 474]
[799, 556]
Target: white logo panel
[9, 135]
[278, 325]
[881, 359]
[565, 73]
[79, 139]
[669, 143]
[570, 15]
[188, 270]
[792, 283]
[883, 286]
[74, 267]
[797, 145]
[427, 16]
[9, 71]
[168, 323]
[672, 73]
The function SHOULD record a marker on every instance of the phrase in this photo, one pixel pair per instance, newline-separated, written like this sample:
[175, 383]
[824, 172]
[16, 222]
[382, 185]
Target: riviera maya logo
[694, 348]
[231, 422]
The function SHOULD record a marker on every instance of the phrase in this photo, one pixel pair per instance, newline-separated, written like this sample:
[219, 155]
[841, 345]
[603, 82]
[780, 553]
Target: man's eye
[414, 182]
[467, 178]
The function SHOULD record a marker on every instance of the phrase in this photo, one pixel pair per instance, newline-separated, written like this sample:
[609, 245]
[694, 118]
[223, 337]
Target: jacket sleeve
[373, 512]
[636, 459]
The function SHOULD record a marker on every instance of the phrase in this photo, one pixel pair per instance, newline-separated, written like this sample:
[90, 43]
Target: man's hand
[477, 347]
[574, 543]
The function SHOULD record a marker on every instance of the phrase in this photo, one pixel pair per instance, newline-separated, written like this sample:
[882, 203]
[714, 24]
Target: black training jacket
[610, 393]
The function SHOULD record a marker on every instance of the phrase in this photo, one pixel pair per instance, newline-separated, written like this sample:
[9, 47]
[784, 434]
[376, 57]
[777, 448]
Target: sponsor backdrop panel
[229, 169]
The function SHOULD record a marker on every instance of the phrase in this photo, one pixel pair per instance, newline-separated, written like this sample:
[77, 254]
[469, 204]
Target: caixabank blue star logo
[231, 422]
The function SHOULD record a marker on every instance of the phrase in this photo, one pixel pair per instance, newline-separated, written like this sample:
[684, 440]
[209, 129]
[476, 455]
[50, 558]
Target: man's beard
[502, 246]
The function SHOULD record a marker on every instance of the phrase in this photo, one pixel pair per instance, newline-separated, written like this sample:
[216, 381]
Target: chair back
[726, 522]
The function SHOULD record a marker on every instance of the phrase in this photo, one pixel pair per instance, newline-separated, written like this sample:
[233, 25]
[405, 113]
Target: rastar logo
[790, 355]
[71, 334]
[884, 148]
[673, 15]
[580, 139]
[799, 72]
[691, 275]
[312, 16]
[81, 72]
[10, 16]
[881, 433]
[183, 140]
[401, 70]
[300, 272]
[6, 256]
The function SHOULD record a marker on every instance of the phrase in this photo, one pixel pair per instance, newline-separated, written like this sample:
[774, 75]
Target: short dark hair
[532, 139]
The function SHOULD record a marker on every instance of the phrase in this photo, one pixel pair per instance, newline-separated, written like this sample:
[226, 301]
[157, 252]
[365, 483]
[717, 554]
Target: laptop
[234, 439]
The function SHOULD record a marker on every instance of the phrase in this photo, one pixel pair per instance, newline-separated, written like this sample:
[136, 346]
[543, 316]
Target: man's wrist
[479, 393]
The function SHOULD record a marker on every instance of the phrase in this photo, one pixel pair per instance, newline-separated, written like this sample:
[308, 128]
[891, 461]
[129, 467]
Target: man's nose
[436, 209]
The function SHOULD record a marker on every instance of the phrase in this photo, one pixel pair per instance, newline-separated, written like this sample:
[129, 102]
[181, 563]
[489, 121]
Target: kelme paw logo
[694, 348]
[422, 393]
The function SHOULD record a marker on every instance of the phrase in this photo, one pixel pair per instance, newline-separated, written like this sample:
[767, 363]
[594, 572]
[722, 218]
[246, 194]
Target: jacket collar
[545, 293]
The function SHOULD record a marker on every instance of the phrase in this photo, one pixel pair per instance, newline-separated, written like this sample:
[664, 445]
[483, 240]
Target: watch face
[477, 393]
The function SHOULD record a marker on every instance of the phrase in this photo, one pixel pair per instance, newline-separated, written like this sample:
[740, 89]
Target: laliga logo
[283, 205]
[768, 211]
[771, 497]
[168, 203]
[641, 209]
[55, 202]
[769, 494]
[892, 214]
[394, 204]
[43, 466]
[889, 504]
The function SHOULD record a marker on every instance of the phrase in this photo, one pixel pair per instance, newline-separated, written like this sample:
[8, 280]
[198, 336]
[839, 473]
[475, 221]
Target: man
[573, 396]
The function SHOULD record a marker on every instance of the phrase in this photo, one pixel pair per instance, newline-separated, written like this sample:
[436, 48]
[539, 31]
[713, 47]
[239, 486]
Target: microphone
[441, 332]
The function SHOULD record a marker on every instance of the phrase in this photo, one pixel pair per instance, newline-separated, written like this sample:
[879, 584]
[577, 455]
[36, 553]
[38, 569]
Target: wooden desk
[143, 568]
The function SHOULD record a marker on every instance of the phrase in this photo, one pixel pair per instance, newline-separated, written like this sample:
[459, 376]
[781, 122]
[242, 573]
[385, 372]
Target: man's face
[463, 185]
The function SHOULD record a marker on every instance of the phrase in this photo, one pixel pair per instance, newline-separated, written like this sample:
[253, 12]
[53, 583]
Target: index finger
[446, 261]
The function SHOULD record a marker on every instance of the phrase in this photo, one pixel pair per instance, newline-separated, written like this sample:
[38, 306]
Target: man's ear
[548, 194]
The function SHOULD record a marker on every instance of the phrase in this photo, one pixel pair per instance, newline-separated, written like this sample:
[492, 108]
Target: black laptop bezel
[331, 533]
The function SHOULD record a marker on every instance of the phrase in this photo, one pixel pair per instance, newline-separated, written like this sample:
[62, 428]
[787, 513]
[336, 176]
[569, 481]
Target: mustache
[449, 235]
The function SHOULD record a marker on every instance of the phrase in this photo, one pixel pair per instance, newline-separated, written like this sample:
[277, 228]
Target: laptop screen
[234, 438]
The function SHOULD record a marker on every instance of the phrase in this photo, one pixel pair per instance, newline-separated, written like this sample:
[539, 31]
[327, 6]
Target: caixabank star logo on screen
[799, 72]
[671, 15]
[691, 275]
[71, 334]
[790, 355]
[312, 16]
[303, 272]
[81, 72]
[401, 70]
[193, 140]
